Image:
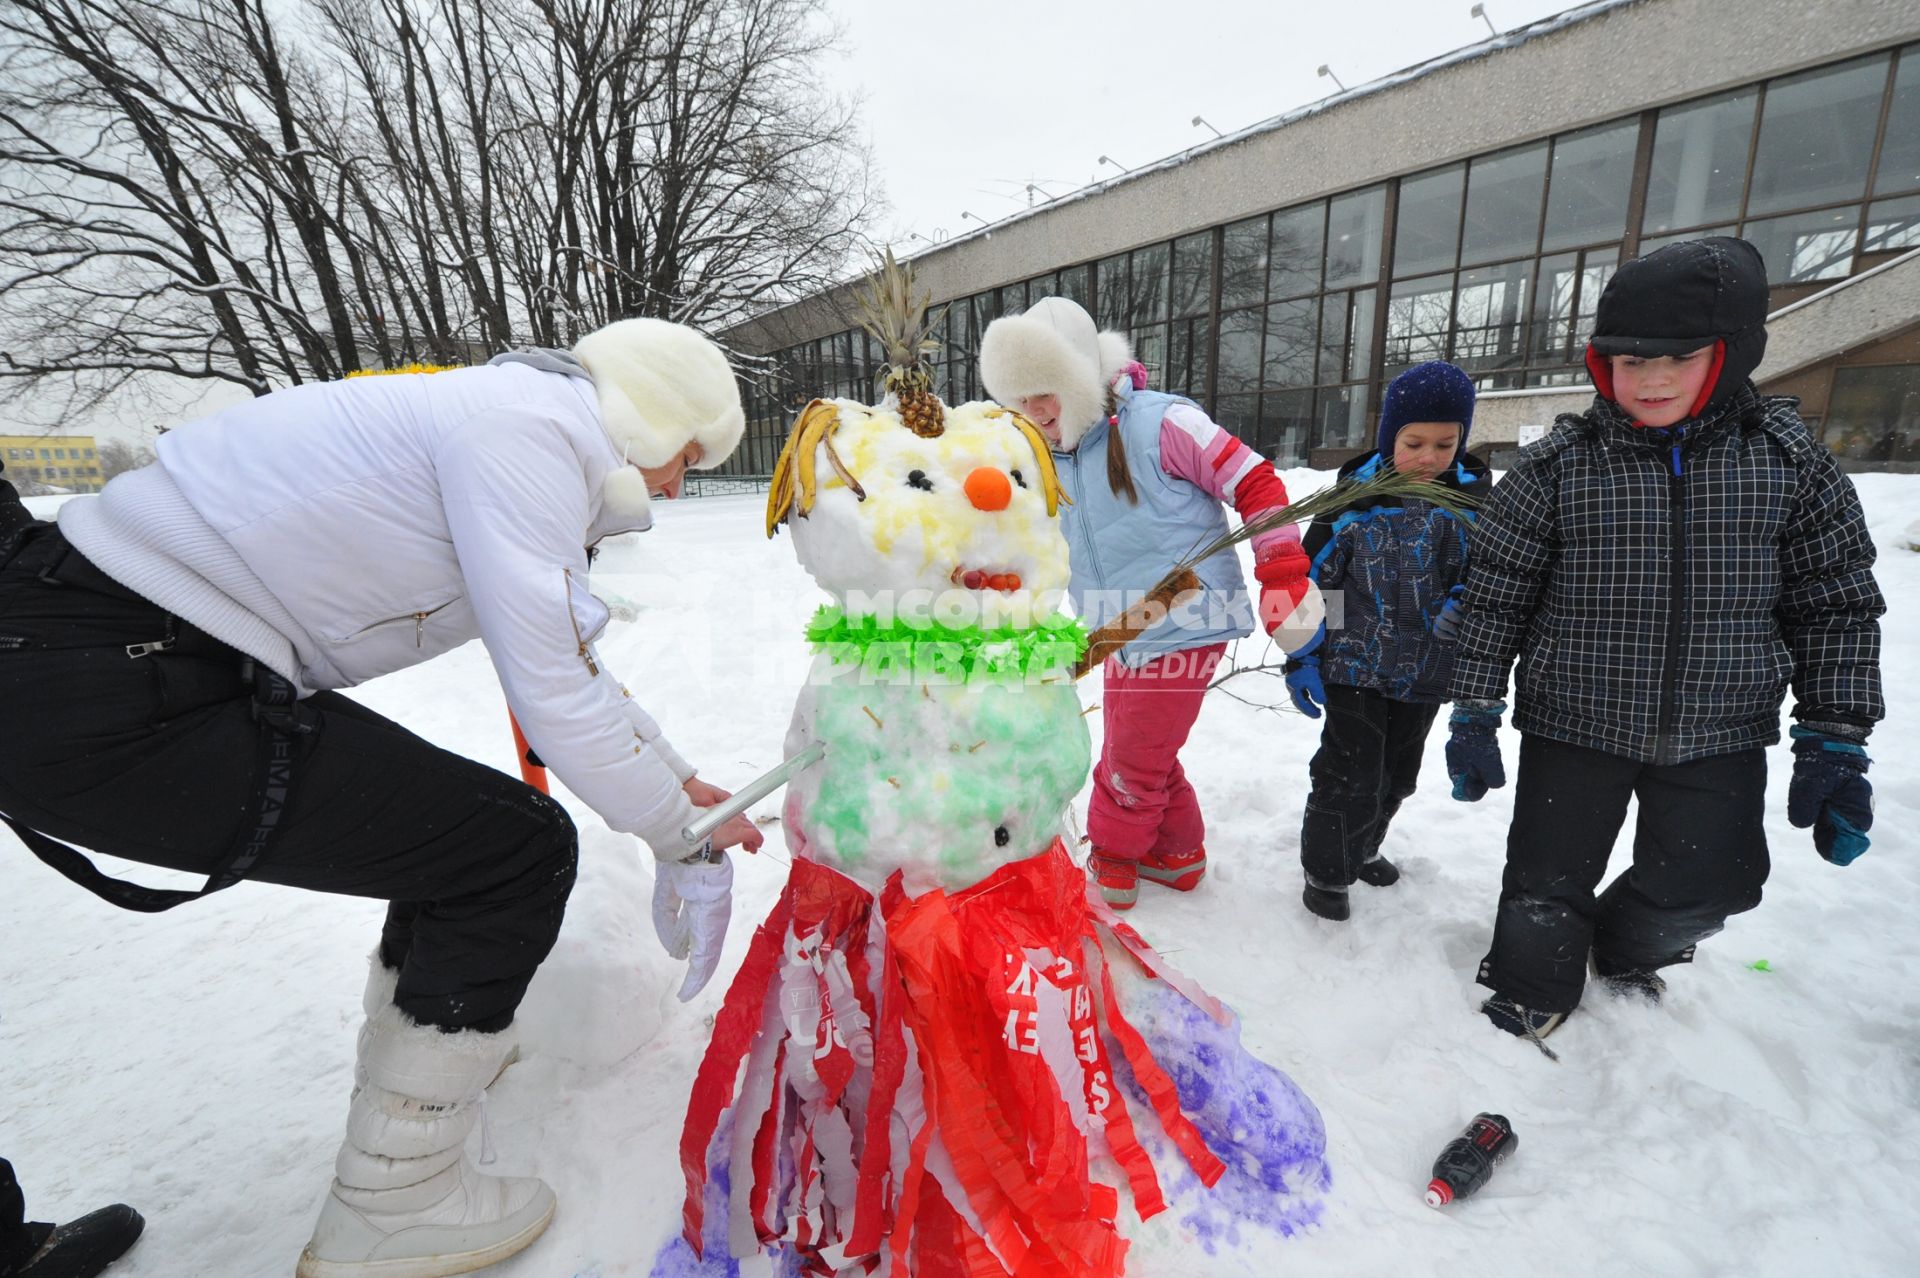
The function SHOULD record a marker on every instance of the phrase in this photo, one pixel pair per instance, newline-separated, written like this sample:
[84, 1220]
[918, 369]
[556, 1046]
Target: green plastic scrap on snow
[1760, 965]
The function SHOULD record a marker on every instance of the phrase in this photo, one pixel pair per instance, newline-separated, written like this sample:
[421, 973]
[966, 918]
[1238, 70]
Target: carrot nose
[988, 488]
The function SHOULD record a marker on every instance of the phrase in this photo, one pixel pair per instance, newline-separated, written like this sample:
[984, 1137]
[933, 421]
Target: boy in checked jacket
[1665, 565]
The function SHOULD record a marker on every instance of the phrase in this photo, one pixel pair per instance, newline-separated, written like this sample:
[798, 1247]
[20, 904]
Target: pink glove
[1290, 605]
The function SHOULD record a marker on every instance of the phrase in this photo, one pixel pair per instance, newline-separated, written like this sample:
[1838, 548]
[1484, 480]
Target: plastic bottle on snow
[1467, 1161]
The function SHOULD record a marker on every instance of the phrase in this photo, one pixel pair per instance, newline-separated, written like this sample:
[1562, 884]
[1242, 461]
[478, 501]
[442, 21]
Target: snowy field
[1763, 1122]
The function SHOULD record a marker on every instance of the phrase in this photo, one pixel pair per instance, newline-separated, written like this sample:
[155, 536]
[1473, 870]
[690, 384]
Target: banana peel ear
[1042, 454]
[792, 490]
[779, 489]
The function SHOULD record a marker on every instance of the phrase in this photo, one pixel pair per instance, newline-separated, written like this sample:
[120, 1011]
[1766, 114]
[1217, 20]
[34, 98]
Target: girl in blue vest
[1149, 475]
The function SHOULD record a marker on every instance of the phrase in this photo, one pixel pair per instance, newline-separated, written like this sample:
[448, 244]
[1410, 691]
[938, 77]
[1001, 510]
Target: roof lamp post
[1326, 72]
[1199, 120]
[1480, 11]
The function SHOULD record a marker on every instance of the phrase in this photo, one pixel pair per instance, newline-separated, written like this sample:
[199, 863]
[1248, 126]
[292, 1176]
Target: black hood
[1680, 298]
[13, 512]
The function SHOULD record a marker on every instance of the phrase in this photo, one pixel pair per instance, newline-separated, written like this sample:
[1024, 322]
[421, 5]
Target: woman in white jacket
[169, 660]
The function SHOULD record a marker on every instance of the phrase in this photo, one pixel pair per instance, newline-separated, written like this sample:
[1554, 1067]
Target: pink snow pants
[1143, 804]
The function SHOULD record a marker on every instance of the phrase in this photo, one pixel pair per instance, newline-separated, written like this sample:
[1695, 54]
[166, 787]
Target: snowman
[954, 737]
[940, 1055]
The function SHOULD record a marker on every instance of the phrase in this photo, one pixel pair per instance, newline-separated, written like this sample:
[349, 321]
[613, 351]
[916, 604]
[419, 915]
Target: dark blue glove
[1304, 686]
[1831, 793]
[1446, 626]
[1473, 750]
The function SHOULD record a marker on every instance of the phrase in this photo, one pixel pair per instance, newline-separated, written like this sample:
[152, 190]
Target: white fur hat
[1053, 348]
[661, 387]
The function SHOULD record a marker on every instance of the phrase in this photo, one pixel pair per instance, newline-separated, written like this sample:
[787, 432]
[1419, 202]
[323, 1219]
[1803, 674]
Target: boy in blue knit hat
[1382, 675]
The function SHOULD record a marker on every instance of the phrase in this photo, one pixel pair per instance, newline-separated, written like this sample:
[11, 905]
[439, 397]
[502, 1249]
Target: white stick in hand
[711, 819]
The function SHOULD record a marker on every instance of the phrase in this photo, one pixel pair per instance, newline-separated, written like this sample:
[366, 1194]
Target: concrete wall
[1813, 386]
[1855, 312]
[1499, 415]
[1622, 57]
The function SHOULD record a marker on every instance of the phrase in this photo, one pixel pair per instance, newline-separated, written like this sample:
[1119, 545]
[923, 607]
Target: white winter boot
[406, 1201]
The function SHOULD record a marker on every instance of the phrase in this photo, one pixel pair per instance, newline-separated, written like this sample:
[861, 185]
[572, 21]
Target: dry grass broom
[1182, 581]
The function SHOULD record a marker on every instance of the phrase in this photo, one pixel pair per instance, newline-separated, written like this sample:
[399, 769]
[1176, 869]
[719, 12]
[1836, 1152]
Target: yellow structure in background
[404, 368]
[69, 462]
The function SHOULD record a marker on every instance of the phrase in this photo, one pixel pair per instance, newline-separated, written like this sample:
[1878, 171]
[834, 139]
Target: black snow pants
[1699, 855]
[1367, 765]
[17, 1241]
[156, 758]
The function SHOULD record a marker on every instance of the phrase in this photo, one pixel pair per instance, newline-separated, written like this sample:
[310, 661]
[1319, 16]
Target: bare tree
[159, 204]
[267, 194]
[117, 457]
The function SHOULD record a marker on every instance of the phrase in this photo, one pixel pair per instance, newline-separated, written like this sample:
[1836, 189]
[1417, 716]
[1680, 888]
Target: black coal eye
[1000, 836]
[918, 479]
[1017, 478]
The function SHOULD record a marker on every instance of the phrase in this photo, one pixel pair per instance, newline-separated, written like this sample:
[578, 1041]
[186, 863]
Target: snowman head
[959, 528]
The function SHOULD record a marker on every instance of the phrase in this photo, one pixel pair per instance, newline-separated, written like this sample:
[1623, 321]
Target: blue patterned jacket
[1392, 564]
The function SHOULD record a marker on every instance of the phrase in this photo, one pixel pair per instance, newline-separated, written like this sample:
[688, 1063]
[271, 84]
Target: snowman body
[955, 740]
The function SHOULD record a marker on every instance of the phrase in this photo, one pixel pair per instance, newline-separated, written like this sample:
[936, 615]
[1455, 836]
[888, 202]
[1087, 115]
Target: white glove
[692, 903]
[1299, 632]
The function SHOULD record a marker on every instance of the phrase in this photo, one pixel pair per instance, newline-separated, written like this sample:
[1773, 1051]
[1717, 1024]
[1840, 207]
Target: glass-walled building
[1287, 324]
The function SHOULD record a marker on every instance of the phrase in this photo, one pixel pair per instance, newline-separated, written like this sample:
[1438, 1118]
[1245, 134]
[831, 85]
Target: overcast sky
[967, 103]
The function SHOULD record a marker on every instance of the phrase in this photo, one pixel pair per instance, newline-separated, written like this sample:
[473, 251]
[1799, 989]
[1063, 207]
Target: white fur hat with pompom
[1054, 348]
[661, 386]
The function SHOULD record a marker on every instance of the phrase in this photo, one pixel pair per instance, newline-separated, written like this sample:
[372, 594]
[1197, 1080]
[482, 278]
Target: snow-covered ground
[1762, 1122]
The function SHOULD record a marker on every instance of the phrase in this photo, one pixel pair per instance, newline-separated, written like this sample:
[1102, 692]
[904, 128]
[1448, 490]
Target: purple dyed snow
[1261, 1125]
[676, 1259]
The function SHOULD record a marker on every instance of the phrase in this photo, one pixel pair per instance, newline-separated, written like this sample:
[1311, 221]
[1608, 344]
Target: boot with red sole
[1181, 871]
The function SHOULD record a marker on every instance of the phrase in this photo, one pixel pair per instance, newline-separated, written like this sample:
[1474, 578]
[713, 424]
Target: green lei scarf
[901, 651]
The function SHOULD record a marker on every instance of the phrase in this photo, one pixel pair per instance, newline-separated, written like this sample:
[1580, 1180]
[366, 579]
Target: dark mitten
[1304, 686]
[1473, 750]
[1831, 793]
[1446, 626]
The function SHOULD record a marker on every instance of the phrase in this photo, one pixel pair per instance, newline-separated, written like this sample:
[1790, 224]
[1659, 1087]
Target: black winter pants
[1367, 765]
[17, 1242]
[1699, 855]
[152, 759]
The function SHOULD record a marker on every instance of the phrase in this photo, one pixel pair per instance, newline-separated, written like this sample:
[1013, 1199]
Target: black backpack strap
[286, 731]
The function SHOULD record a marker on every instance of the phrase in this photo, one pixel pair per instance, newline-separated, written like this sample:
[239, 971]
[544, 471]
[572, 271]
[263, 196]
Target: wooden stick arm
[1174, 589]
